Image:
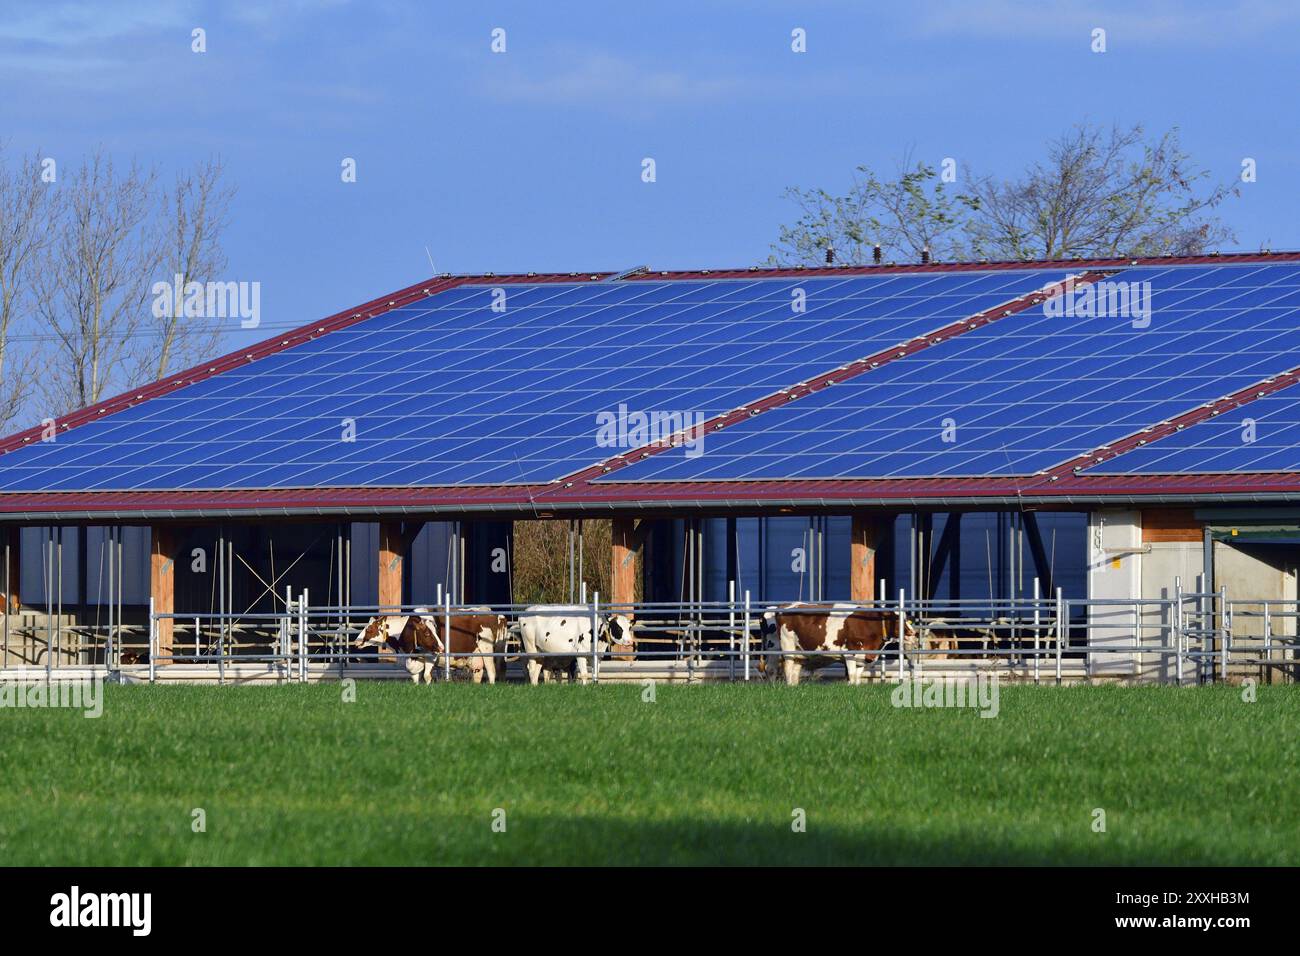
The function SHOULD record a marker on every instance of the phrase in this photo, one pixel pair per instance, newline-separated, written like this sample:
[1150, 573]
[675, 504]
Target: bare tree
[1099, 192]
[82, 262]
[26, 207]
[193, 217]
[92, 289]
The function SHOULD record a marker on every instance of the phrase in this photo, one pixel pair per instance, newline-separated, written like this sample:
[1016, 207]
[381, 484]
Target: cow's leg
[490, 668]
[851, 667]
[429, 668]
[791, 668]
[534, 671]
[581, 665]
[476, 669]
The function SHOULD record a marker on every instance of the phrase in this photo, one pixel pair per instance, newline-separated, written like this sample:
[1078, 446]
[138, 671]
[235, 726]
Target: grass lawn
[705, 774]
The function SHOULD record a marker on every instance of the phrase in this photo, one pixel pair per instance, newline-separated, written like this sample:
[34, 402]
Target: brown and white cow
[418, 639]
[819, 634]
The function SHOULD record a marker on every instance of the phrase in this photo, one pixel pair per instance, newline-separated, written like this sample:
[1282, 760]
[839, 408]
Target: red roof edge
[596, 499]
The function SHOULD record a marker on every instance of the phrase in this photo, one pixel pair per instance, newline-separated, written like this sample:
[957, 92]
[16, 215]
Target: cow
[564, 630]
[417, 637]
[819, 634]
[1000, 634]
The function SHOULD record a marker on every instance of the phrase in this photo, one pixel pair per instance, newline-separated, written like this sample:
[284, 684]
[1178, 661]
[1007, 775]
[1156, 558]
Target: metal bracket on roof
[627, 272]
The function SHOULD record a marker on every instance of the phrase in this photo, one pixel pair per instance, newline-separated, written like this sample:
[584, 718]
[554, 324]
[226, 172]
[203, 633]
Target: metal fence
[1187, 636]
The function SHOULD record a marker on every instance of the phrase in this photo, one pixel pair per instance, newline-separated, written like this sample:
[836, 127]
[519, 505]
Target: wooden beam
[1170, 524]
[162, 585]
[862, 566]
[625, 547]
[392, 548]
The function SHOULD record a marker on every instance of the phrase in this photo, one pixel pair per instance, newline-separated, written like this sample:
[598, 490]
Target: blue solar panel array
[1026, 392]
[1263, 435]
[450, 391]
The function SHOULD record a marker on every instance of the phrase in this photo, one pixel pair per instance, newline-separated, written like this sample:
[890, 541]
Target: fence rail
[1188, 636]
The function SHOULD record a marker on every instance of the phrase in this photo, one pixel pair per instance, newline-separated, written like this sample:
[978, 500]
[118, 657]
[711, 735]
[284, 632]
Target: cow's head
[616, 629]
[911, 637]
[374, 634]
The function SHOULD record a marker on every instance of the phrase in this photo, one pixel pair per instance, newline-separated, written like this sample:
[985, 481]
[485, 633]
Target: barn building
[1123, 433]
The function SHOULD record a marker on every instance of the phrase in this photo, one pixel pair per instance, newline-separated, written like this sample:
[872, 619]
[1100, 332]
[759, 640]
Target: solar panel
[1261, 436]
[449, 390]
[1024, 393]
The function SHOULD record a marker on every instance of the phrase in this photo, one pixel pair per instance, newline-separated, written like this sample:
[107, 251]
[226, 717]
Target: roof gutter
[754, 506]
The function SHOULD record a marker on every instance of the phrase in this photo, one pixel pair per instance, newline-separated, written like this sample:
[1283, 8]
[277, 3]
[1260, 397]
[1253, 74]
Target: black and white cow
[565, 630]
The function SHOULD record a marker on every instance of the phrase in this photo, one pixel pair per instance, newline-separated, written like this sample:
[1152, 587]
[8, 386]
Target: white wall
[1114, 572]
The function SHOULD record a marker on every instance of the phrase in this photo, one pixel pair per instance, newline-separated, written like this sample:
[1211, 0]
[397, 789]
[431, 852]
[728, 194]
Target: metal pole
[112, 553]
[121, 574]
[1061, 611]
[745, 641]
[1037, 597]
[153, 643]
[289, 624]
[918, 663]
[581, 565]
[902, 627]
[221, 596]
[1178, 628]
[58, 578]
[230, 591]
[446, 636]
[731, 630]
[1226, 614]
[595, 636]
[303, 648]
[49, 602]
[9, 598]
[1268, 643]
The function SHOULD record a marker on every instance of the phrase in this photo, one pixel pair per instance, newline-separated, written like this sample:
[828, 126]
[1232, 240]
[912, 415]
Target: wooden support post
[862, 569]
[392, 546]
[625, 547]
[162, 586]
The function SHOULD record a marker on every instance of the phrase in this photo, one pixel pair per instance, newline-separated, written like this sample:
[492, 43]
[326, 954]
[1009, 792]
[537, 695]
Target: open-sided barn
[1110, 446]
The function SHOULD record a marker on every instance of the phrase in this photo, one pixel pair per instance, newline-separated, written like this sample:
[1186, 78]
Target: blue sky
[531, 159]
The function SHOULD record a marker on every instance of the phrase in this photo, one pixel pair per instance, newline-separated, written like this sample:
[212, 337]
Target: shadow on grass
[607, 841]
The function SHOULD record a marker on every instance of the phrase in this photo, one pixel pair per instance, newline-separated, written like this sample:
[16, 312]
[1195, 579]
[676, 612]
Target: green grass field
[705, 774]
